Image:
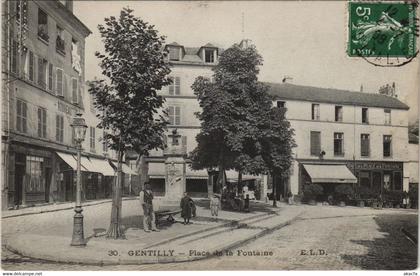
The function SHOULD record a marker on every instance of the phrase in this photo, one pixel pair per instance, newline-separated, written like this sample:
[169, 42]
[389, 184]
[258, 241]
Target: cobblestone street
[322, 238]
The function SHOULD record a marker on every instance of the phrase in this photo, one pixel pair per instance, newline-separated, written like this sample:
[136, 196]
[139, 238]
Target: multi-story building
[341, 136]
[186, 64]
[43, 50]
[344, 137]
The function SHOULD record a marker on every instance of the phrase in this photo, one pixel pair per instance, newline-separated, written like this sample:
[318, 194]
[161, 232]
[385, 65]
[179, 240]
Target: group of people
[187, 205]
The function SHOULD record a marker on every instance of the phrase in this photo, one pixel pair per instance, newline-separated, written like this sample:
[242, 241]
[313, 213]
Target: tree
[135, 65]
[236, 118]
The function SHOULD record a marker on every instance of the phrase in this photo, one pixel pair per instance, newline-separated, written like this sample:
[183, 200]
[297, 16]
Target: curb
[64, 208]
[159, 259]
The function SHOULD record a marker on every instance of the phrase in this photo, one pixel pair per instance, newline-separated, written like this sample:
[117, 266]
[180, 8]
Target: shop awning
[102, 166]
[70, 159]
[330, 174]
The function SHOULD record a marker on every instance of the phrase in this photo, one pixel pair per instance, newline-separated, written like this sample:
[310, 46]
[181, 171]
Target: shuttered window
[173, 53]
[92, 139]
[315, 143]
[31, 66]
[50, 77]
[315, 111]
[175, 86]
[60, 91]
[59, 130]
[42, 122]
[365, 144]
[21, 116]
[174, 115]
[13, 59]
[387, 113]
[74, 90]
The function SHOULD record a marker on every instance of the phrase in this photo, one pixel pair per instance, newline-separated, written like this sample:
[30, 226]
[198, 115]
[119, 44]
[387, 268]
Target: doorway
[19, 173]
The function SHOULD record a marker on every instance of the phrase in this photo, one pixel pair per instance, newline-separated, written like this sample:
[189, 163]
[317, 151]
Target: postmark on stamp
[384, 32]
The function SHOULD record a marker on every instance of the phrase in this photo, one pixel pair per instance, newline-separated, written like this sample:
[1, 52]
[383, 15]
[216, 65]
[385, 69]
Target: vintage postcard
[209, 135]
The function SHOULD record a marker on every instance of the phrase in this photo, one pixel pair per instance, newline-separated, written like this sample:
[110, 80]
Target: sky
[304, 40]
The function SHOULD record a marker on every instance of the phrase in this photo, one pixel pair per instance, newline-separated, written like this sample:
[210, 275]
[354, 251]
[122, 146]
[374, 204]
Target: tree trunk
[274, 191]
[115, 230]
[239, 182]
[220, 179]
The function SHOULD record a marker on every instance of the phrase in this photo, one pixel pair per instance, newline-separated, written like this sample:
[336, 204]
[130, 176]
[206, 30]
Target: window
[42, 72]
[59, 129]
[387, 139]
[174, 53]
[92, 139]
[43, 25]
[13, 61]
[174, 87]
[60, 82]
[75, 57]
[50, 77]
[315, 111]
[209, 56]
[365, 117]
[174, 115]
[59, 44]
[281, 104]
[365, 144]
[31, 66]
[42, 122]
[387, 116]
[34, 169]
[22, 11]
[315, 143]
[338, 113]
[74, 90]
[104, 142]
[338, 143]
[398, 181]
[387, 181]
[21, 116]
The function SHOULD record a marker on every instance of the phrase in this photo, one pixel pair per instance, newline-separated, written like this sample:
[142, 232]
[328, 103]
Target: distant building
[412, 164]
[344, 137]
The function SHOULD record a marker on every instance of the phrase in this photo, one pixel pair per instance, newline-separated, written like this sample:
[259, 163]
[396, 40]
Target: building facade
[43, 89]
[344, 137]
[361, 137]
[186, 65]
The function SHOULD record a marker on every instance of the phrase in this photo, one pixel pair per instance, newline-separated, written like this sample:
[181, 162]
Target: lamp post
[79, 126]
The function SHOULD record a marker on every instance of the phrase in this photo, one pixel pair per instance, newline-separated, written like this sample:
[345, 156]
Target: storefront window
[35, 181]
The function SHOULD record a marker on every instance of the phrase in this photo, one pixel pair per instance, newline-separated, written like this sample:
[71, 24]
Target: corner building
[43, 53]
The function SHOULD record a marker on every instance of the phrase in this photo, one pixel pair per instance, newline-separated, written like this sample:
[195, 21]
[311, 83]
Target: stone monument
[175, 167]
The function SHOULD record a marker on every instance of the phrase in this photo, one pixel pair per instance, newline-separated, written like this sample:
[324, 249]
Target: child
[215, 205]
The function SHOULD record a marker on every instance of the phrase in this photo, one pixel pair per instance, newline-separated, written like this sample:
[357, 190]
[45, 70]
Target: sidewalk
[53, 207]
[174, 243]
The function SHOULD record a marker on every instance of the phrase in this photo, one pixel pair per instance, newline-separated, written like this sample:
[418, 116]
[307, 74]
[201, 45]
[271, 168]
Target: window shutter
[44, 119]
[24, 119]
[171, 86]
[74, 89]
[39, 122]
[57, 128]
[177, 86]
[177, 115]
[184, 140]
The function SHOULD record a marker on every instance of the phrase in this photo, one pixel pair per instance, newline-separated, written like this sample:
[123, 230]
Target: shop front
[377, 176]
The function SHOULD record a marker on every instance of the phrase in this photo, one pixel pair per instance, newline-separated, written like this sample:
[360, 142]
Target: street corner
[96, 252]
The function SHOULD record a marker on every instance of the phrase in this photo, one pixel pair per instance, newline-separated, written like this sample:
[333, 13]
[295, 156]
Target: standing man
[146, 201]
[215, 205]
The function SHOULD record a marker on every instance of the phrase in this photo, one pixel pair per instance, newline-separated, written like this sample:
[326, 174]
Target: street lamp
[79, 126]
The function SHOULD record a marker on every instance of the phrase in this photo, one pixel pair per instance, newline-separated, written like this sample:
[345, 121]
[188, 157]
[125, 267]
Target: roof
[191, 54]
[289, 91]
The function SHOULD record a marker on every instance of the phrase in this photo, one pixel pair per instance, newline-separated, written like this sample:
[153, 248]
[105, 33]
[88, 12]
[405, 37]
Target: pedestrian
[406, 200]
[215, 205]
[246, 206]
[146, 201]
[186, 208]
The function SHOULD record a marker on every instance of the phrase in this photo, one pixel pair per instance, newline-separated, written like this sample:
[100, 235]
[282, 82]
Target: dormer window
[174, 53]
[209, 55]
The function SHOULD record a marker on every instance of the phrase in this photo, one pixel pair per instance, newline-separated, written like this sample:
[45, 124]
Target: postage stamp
[382, 29]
